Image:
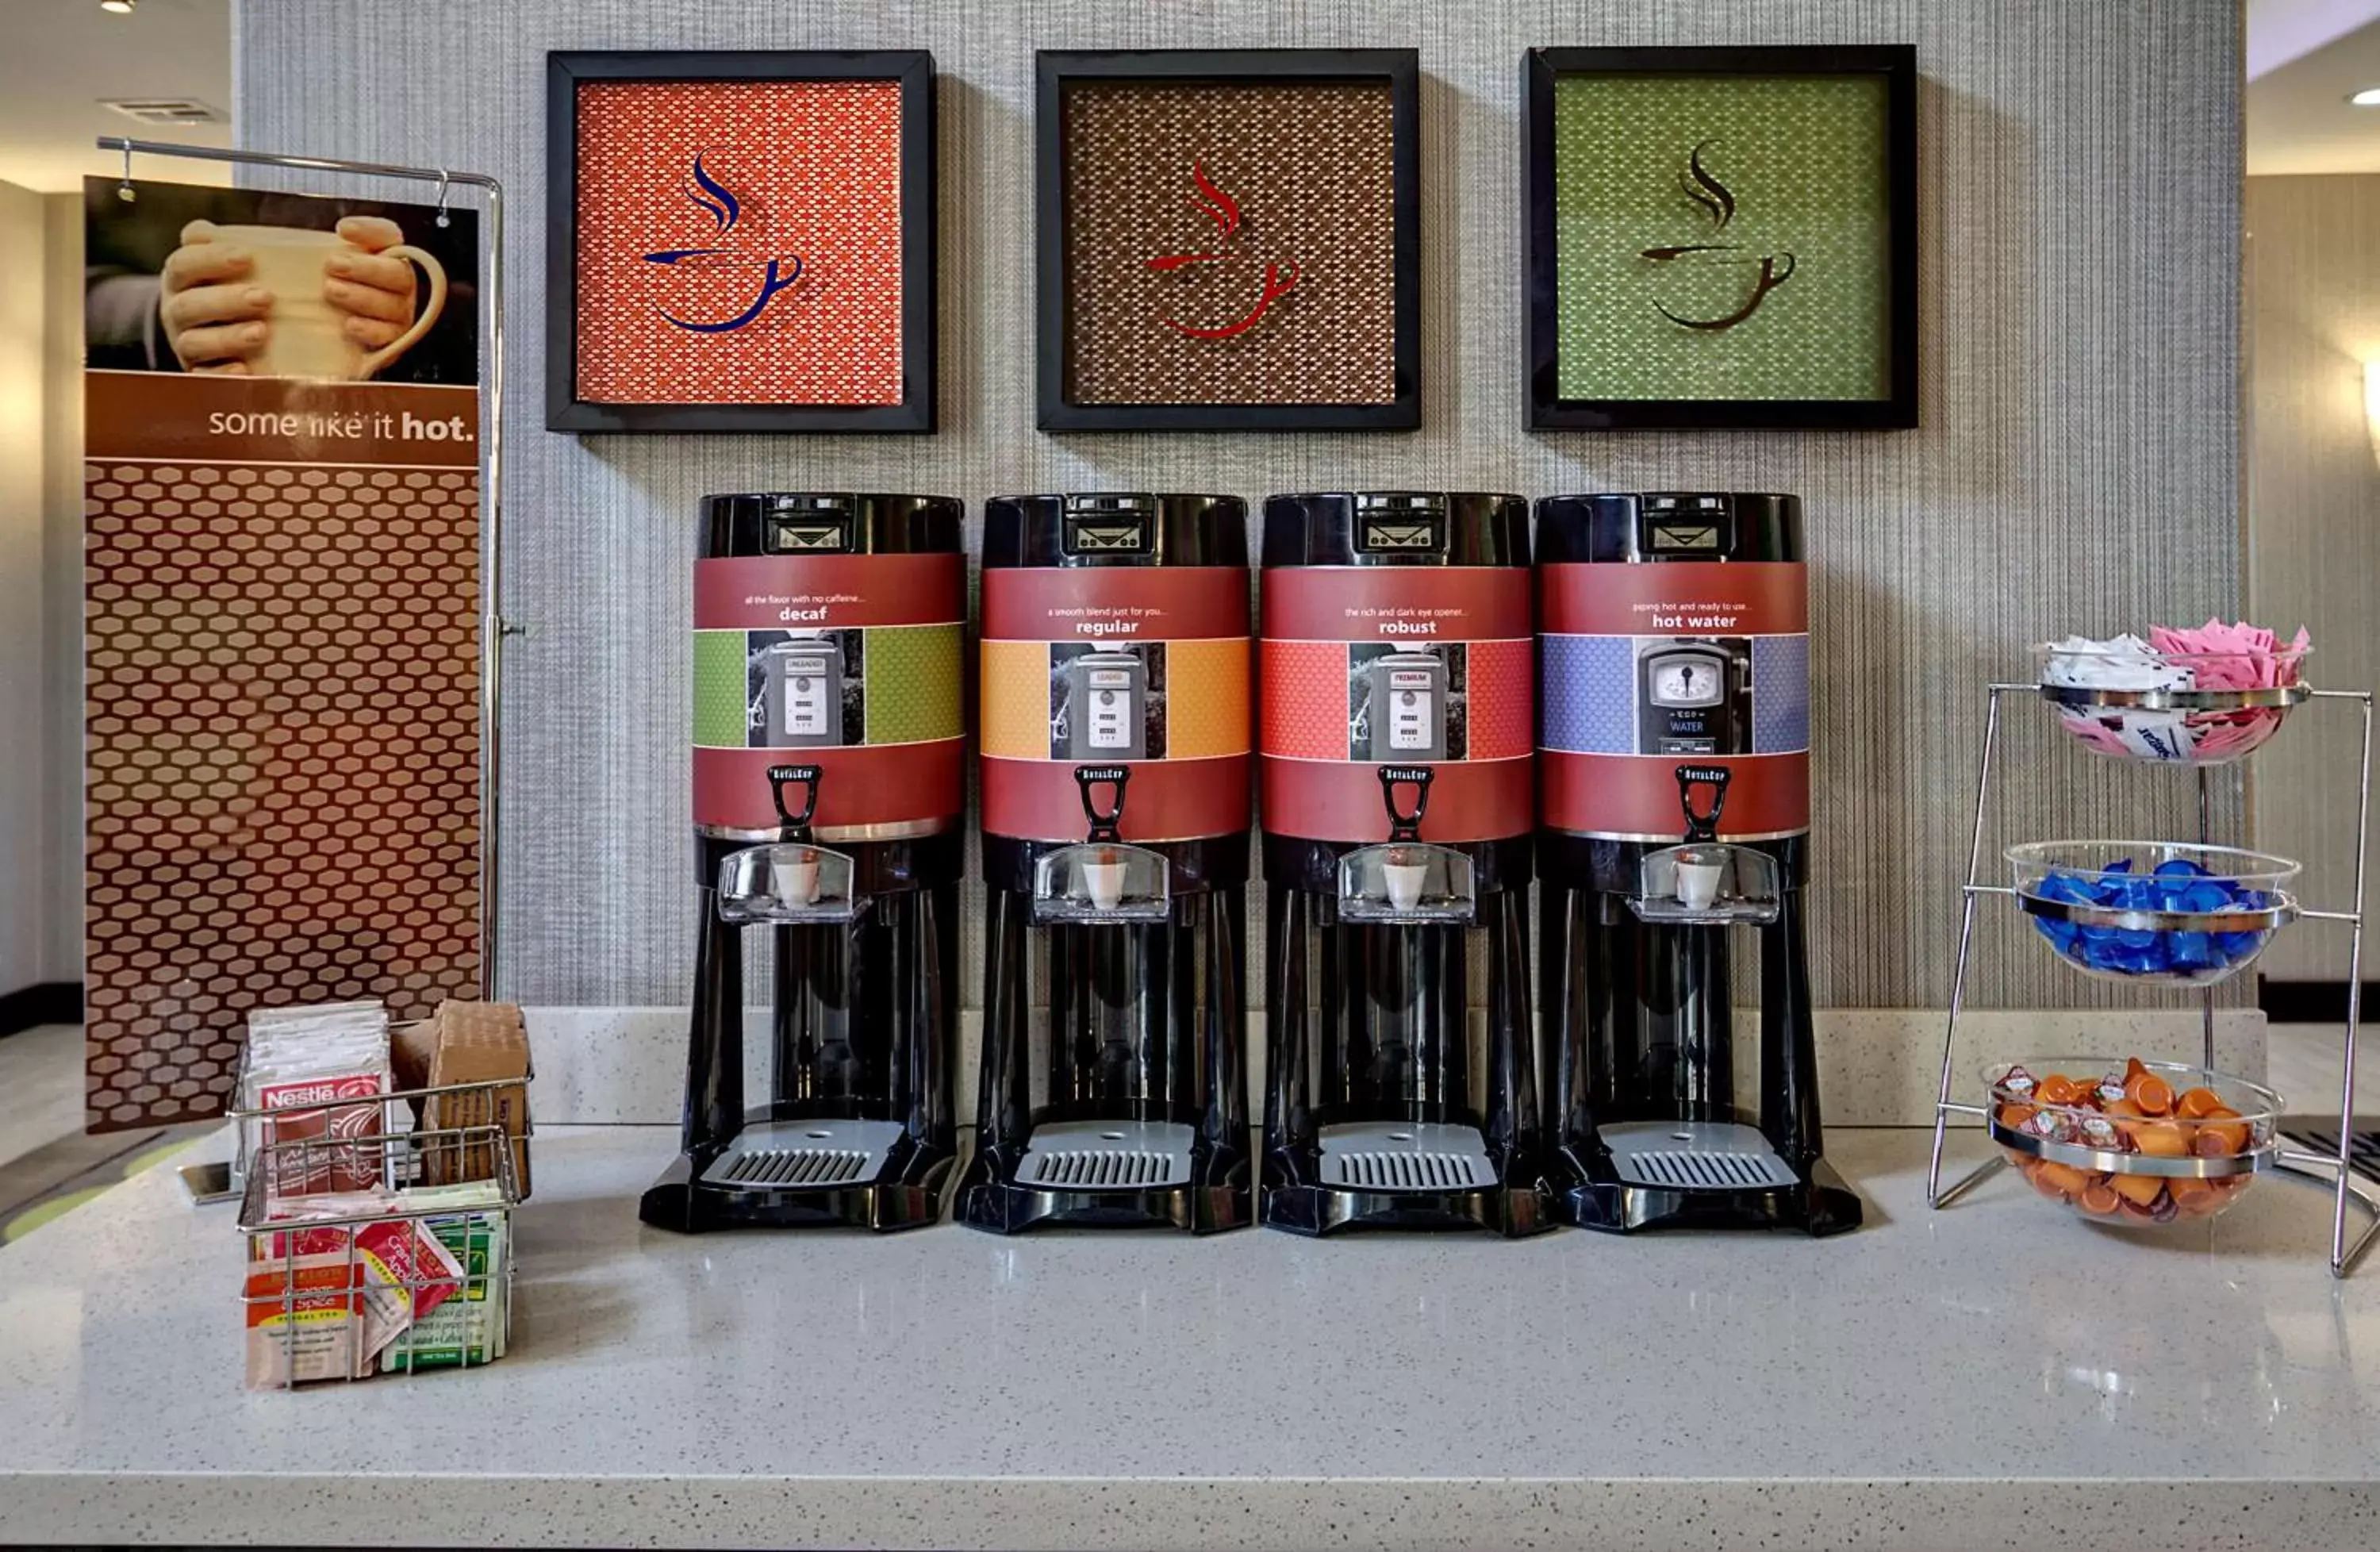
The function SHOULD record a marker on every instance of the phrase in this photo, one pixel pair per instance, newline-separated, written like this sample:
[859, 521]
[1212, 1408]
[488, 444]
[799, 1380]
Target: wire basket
[420, 1279]
[226, 1182]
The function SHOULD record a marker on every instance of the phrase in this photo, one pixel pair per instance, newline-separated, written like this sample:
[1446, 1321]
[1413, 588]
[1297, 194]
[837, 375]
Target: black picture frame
[913, 68]
[1056, 68]
[1897, 64]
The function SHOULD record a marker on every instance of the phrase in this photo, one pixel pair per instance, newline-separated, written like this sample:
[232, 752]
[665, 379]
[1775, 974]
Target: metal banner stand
[2333, 1171]
[212, 1181]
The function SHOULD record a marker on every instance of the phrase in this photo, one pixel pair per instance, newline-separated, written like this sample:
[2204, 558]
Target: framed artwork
[740, 242]
[1229, 239]
[1721, 237]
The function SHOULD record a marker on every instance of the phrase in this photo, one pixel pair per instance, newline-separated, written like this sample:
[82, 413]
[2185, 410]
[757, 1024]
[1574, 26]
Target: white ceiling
[2280, 30]
[62, 56]
[2304, 57]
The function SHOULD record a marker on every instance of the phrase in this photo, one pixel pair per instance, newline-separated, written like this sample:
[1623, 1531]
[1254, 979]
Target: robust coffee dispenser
[1396, 651]
[1675, 769]
[1115, 766]
[828, 797]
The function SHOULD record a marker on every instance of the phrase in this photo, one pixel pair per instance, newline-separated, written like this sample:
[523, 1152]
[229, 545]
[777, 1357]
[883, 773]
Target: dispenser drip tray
[802, 1154]
[1108, 1156]
[1399, 1156]
[1694, 1156]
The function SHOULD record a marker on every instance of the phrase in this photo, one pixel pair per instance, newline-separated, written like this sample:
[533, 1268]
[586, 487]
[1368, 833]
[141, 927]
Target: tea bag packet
[306, 1318]
[472, 1327]
[398, 1271]
[308, 1059]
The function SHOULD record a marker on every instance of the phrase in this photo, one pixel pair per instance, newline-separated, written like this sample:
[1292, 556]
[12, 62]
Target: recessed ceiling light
[2367, 98]
[179, 112]
[118, 8]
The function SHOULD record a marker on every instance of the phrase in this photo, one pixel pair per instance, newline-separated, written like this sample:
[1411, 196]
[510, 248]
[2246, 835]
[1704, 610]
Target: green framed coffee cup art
[1723, 238]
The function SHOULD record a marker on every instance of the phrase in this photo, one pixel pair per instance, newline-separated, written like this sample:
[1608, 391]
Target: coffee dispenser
[1675, 810]
[1115, 774]
[1396, 652]
[829, 798]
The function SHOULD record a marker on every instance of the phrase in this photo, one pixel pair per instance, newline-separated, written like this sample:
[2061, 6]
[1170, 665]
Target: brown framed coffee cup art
[1228, 239]
[1721, 237]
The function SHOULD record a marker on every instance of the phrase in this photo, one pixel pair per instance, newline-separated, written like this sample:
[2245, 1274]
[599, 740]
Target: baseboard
[2312, 1001]
[50, 1003]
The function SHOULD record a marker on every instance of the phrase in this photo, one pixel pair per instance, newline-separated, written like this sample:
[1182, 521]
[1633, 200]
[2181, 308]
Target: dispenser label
[1412, 665]
[1651, 669]
[1148, 667]
[854, 660]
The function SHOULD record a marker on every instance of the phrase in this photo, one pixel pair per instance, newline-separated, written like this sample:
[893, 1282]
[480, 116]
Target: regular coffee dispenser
[1395, 664]
[1115, 746]
[1674, 769]
[829, 801]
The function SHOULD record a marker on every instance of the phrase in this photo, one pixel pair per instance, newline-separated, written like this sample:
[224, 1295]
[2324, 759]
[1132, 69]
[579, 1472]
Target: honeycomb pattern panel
[282, 760]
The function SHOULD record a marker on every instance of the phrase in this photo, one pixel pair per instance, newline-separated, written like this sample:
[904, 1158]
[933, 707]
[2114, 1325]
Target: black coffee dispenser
[1115, 778]
[1675, 808]
[1396, 770]
[828, 806]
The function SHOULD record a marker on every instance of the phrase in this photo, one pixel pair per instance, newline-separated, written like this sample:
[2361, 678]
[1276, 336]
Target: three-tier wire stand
[2333, 1171]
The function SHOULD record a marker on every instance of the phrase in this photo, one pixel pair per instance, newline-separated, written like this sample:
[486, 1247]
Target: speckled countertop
[1988, 1376]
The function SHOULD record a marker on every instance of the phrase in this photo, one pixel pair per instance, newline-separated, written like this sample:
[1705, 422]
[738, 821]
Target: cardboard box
[479, 1042]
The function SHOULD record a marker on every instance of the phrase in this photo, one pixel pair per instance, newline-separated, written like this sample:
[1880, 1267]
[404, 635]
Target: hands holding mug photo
[288, 301]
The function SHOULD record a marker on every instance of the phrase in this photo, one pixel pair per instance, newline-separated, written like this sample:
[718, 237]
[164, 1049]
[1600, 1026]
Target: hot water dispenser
[1115, 770]
[1396, 651]
[1675, 807]
[828, 806]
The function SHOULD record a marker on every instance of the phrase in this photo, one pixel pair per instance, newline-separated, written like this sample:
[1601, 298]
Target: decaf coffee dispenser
[1396, 653]
[828, 797]
[1674, 759]
[1115, 766]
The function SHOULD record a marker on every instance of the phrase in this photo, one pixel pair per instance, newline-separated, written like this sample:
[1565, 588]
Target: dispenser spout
[1706, 881]
[1406, 879]
[793, 879]
[1102, 878]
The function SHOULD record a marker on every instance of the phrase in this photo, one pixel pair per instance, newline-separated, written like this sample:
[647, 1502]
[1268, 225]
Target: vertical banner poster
[281, 660]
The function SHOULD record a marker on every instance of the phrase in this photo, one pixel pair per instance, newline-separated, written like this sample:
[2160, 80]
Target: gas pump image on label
[1403, 703]
[1695, 696]
[1106, 702]
[802, 692]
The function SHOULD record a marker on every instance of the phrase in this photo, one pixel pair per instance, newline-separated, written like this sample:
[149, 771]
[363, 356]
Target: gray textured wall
[2078, 466]
[2314, 515]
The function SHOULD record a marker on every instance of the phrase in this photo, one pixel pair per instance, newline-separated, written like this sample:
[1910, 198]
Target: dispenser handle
[794, 824]
[1702, 825]
[1404, 826]
[1105, 822]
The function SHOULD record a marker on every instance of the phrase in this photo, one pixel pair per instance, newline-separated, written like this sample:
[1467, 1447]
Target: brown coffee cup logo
[1699, 183]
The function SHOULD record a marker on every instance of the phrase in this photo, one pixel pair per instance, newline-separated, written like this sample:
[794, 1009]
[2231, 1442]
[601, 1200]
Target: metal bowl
[2160, 912]
[2173, 725]
[2107, 1165]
